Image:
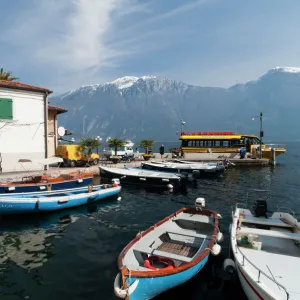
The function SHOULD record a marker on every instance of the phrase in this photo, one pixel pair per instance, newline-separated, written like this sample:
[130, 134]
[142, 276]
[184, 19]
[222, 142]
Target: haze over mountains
[152, 107]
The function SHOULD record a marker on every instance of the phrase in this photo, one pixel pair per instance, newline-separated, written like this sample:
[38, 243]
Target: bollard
[273, 157]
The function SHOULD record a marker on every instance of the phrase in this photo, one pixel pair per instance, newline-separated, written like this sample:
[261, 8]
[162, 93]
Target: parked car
[126, 150]
[76, 155]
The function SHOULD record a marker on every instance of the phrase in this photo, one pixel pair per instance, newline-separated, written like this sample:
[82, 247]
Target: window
[185, 143]
[6, 111]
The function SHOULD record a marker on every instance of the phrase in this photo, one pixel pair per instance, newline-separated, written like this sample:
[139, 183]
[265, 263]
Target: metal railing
[260, 271]
[280, 146]
[285, 209]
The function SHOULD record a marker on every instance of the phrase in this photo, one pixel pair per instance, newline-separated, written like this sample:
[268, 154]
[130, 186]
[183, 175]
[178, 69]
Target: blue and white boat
[53, 201]
[168, 253]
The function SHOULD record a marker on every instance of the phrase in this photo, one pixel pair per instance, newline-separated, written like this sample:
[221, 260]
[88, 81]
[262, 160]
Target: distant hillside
[152, 107]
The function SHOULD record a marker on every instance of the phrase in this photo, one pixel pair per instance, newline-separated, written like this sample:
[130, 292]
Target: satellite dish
[61, 131]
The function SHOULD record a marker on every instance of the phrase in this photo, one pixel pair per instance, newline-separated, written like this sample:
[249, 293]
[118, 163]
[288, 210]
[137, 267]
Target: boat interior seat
[148, 250]
[265, 221]
[193, 218]
[270, 233]
[149, 243]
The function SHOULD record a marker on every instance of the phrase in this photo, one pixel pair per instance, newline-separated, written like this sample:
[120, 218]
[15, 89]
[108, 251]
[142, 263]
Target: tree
[7, 76]
[146, 144]
[115, 143]
[89, 143]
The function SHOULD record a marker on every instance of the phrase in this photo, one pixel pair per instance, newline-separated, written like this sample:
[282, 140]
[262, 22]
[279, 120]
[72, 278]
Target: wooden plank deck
[178, 249]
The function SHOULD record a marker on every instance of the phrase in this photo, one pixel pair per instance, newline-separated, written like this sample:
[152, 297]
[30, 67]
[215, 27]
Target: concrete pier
[246, 162]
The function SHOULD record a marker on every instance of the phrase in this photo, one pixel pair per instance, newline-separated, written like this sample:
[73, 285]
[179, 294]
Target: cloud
[69, 36]
[80, 43]
[77, 42]
[183, 8]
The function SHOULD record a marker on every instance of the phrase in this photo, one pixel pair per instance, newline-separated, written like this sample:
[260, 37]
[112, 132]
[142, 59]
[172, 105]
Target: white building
[23, 125]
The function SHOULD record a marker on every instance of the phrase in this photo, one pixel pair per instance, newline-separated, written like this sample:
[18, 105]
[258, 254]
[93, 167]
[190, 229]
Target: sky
[64, 44]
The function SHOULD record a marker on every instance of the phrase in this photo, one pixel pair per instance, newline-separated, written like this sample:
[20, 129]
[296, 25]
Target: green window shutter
[6, 109]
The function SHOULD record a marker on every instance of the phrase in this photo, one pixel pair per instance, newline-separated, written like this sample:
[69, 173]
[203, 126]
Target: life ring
[151, 259]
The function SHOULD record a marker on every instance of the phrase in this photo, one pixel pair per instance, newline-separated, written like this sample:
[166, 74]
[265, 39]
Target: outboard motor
[260, 208]
[199, 203]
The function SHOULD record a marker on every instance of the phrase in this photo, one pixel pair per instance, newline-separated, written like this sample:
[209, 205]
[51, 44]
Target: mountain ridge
[152, 106]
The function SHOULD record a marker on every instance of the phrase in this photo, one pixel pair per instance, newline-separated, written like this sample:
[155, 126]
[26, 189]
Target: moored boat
[199, 169]
[142, 177]
[56, 200]
[266, 252]
[47, 182]
[168, 253]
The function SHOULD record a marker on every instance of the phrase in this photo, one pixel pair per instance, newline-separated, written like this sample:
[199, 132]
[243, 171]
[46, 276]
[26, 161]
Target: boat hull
[39, 204]
[148, 288]
[141, 180]
[216, 172]
[28, 188]
[251, 288]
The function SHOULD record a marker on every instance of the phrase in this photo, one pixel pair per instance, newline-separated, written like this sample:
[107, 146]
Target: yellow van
[76, 155]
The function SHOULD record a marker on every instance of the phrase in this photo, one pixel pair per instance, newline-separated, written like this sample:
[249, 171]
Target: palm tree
[146, 144]
[115, 143]
[7, 76]
[89, 143]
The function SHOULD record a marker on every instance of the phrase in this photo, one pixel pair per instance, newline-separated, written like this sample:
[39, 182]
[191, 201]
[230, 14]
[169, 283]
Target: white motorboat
[199, 169]
[142, 177]
[266, 252]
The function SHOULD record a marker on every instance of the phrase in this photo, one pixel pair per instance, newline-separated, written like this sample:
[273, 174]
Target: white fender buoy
[216, 250]
[219, 216]
[220, 237]
[170, 186]
[229, 266]
[119, 198]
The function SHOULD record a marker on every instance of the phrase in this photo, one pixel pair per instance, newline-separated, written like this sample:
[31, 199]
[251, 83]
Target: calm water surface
[73, 254]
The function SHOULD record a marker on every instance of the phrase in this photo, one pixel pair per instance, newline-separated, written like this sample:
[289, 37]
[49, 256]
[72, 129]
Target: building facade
[23, 125]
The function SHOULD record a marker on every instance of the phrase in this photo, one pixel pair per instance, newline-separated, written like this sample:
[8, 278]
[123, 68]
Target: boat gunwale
[162, 272]
[52, 197]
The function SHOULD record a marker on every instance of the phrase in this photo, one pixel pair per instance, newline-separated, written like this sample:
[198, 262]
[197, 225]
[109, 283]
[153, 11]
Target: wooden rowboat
[167, 254]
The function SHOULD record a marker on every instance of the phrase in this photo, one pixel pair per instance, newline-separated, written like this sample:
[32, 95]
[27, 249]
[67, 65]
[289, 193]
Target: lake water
[73, 254]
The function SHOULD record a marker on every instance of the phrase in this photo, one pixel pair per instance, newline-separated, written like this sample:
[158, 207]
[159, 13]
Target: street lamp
[261, 133]
[98, 138]
[182, 124]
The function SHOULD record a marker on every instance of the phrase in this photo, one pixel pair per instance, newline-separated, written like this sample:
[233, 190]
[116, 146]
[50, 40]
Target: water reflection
[30, 247]
[27, 240]
[73, 254]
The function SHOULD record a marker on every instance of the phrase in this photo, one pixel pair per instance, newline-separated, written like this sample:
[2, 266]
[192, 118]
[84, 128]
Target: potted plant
[115, 143]
[89, 143]
[146, 144]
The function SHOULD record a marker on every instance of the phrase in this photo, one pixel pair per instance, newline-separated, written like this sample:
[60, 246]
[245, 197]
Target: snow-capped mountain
[152, 107]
